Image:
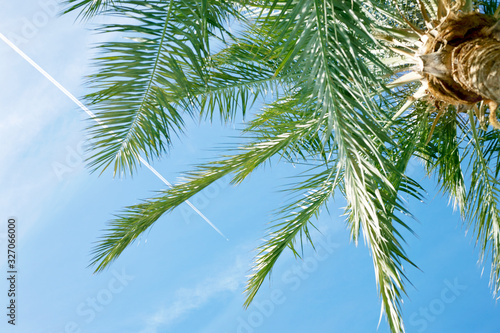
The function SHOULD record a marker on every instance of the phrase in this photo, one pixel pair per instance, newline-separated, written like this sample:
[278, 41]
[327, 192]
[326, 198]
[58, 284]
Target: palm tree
[357, 89]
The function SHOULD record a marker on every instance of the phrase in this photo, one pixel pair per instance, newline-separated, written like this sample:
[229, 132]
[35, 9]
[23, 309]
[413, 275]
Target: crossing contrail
[93, 116]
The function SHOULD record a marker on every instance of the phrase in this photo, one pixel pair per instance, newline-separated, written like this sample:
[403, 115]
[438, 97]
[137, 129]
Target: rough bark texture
[456, 30]
[461, 61]
[476, 66]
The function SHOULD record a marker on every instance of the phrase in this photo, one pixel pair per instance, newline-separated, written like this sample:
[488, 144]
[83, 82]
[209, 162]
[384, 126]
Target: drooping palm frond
[136, 219]
[443, 155]
[88, 8]
[483, 204]
[342, 98]
[458, 150]
[238, 76]
[292, 224]
[148, 82]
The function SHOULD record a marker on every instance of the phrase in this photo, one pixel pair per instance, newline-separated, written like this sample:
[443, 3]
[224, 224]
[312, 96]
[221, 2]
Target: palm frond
[339, 80]
[88, 8]
[138, 218]
[325, 68]
[292, 224]
[147, 83]
[483, 205]
[443, 155]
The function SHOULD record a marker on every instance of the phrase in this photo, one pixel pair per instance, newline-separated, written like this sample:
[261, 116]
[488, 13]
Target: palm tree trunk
[460, 61]
[476, 67]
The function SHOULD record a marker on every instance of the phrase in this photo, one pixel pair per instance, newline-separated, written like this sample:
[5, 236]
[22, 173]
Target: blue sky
[182, 276]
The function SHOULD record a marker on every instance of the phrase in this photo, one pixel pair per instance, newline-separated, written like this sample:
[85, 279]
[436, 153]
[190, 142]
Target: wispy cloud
[189, 299]
[37, 124]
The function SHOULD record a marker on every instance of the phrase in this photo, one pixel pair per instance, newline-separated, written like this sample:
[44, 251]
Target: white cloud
[230, 280]
[38, 123]
[189, 299]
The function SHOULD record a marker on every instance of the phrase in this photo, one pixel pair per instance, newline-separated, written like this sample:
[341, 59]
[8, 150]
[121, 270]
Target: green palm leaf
[88, 8]
[137, 219]
[144, 87]
[337, 98]
[483, 205]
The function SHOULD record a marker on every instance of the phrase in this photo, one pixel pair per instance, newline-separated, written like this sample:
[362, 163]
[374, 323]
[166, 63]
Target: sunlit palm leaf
[483, 204]
[324, 70]
[136, 219]
[147, 80]
[88, 8]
